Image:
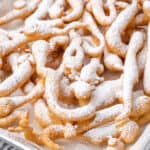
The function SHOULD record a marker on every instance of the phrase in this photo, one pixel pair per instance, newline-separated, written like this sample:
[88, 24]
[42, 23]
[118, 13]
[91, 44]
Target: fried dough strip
[118, 26]
[77, 10]
[20, 13]
[17, 79]
[9, 104]
[99, 14]
[131, 75]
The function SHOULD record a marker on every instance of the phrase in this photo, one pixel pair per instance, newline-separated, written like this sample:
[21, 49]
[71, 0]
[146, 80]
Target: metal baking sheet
[12, 141]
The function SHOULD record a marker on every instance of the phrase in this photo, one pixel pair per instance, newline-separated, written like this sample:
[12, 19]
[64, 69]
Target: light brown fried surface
[76, 72]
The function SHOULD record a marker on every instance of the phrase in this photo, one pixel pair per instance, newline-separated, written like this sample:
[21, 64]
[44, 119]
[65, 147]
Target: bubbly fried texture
[56, 68]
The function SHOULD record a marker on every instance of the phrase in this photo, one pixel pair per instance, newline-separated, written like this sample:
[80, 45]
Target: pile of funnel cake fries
[56, 62]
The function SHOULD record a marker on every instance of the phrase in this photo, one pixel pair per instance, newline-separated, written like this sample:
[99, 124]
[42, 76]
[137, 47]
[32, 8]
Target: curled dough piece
[115, 144]
[77, 10]
[31, 27]
[16, 116]
[9, 104]
[140, 107]
[17, 79]
[66, 92]
[128, 129]
[57, 9]
[41, 12]
[118, 26]
[93, 50]
[81, 90]
[73, 57]
[23, 12]
[41, 113]
[146, 79]
[17, 40]
[128, 132]
[57, 131]
[35, 27]
[42, 29]
[97, 100]
[112, 61]
[102, 117]
[101, 134]
[131, 75]
[97, 7]
[143, 140]
[57, 41]
[51, 95]
[28, 87]
[40, 50]
[44, 137]
[90, 72]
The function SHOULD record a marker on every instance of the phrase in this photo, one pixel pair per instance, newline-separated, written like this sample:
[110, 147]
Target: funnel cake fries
[112, 62]
[117, 28]
[66, 92]
[48, 135]
[73, 57]
[40, 13]
[57, 131]
[47, 28]
[9, 46]
[58, 41]
[115, 144]
[90, 72]
[143, 140]
[81, 90]
[97, 8]
[13, 61]
[111, 89]
[77, 10]
[90, 49]
[128, 132]
[102, 117]
[17, 79]
[16, 116]
[40, 53]
[44, 29]
[21, 10]
[74, 70]
[131, 76]
[57, 9]
[9, 104]
[101, 134]
[41, 113]
[140, 108]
